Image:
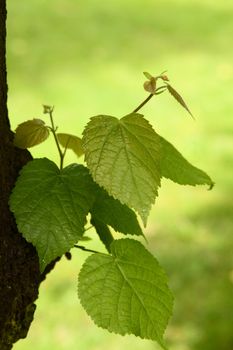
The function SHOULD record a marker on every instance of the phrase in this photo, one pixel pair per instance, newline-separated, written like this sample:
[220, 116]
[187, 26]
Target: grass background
[87, 58]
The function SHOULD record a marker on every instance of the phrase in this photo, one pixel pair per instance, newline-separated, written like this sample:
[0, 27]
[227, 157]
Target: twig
[53, 130]
[86, 249]
[158, 91]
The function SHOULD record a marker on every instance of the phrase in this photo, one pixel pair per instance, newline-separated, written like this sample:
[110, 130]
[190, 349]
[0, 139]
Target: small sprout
[164, 77]
[147, 75]
[150, 85]
[47, 109]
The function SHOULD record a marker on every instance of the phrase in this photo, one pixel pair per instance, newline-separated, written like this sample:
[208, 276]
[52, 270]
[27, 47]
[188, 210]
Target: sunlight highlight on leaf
[124, 157]
[71, 142]
[176, 168]
[126, 292]
[178, 98]
[50, 206]
[30, 133]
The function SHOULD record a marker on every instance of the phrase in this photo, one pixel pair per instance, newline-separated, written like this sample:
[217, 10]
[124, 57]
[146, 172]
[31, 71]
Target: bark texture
[19, 266]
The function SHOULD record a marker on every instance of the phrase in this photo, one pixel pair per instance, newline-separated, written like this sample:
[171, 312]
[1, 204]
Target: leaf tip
[147, 75]
[179, 99]
[212, 184]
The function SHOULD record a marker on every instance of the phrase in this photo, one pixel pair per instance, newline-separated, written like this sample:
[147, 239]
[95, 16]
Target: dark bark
[19, 267]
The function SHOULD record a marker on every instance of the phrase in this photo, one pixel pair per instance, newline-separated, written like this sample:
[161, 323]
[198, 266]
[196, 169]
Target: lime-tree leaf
[112, 212]
[178, 98]
[123, 157]
[50, 206]
[176, 168]
[30, 133]
[126, 292]
[71, 142]
[103, 232]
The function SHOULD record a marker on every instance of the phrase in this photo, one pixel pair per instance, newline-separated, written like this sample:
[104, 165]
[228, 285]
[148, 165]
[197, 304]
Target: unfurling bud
[150, 85]
[47, 109]
[164, 77]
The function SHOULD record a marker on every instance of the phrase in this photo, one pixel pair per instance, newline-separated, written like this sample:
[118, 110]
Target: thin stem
[88, 228]
[158, 91]
[63, 156]
[66, 147]
[85, 249]
[163, 88]
[143, 103]
[53, 130]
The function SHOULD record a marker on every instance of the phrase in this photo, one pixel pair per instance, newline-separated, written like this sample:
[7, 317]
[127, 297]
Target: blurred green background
[86, 57]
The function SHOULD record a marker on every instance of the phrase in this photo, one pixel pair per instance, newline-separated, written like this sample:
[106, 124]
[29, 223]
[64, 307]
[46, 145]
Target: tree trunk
[19, 265]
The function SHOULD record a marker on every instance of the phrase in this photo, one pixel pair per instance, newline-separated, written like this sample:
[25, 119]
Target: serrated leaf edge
[159, 339]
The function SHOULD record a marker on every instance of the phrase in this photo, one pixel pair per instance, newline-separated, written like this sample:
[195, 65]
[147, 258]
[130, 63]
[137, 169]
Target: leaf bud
[150, 85]
[47, 109]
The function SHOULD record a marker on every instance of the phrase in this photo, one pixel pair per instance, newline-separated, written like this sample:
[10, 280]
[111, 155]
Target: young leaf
[50, 206]
[103, 232]
[176, 168]
[178, 98]
[30, 133]
[150, 85]
[112, 212]
[126, 292]
[71, 142]
[123, 157]
[148, 75]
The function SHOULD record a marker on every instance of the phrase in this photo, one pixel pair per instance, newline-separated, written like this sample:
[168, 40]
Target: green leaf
[71, 142]
[103, 232]
[50, 206]
[176, 168]
[126, 292]
[148, 75]
[112, 212]
[30, 133]
[123, 157]
[178, 98]
[150, 85]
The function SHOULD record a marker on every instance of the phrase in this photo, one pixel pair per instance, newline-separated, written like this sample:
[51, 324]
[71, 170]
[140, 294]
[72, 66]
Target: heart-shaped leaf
[126, 292]
[31, 133]
[124, 157]
[50, 206]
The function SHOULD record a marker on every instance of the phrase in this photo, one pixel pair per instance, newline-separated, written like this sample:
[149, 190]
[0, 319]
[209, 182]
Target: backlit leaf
[112, 212]
[178, 98]
[50, 206]
[30, 133]
[150, 85]
[126, 292]
[148, 75]
[124, 157]
[71, 142]
[176, 168]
